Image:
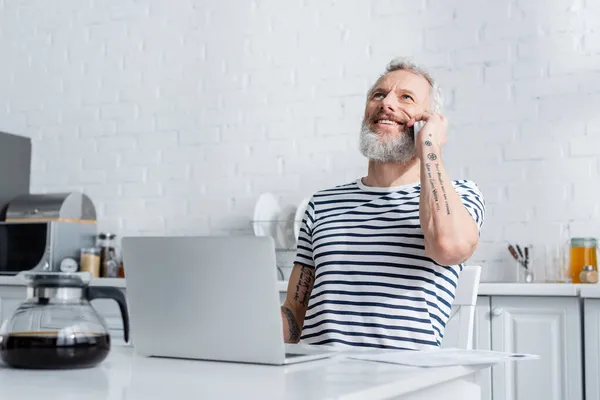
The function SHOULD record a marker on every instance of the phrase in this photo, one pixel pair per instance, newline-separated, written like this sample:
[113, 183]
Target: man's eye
[378, 96]
[407, 97]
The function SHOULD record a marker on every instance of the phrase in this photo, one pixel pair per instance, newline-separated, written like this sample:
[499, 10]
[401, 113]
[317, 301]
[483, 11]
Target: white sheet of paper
[442, 357]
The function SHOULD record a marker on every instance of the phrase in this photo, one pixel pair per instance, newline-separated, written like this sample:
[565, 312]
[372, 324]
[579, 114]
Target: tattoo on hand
[433, 188]
[439, 174]
[432, 156]
[304, 285]
[427, 143]
[294, 330]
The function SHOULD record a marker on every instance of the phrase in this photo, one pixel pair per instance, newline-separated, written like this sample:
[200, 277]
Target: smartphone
[417, 127]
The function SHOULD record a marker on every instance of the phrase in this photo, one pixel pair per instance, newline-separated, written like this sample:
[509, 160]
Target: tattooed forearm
[433, 188]
[304, 285]
[440, 180]
[293, 328]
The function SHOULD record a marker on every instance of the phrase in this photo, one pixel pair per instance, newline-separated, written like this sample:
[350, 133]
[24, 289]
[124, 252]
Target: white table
[125, 375]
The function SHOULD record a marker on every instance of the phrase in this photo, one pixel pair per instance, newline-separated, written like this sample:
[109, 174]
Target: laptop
[208, 298]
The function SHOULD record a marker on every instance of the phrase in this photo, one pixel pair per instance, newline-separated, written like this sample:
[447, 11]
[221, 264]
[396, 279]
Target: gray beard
[399, 149]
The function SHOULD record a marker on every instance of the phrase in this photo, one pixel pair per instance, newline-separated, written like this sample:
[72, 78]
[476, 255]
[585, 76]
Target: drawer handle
[496, 312]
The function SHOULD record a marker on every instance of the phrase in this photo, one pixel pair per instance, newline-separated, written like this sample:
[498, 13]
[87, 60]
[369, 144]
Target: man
[378, 259]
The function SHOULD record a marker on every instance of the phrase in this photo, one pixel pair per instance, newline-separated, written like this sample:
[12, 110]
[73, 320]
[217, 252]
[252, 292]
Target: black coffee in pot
[51, 350]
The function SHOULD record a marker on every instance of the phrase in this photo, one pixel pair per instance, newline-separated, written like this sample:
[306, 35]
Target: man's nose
[390, 103]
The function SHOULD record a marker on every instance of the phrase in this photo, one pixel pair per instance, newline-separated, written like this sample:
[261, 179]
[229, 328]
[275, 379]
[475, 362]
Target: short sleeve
[472, 199]
[304, 247]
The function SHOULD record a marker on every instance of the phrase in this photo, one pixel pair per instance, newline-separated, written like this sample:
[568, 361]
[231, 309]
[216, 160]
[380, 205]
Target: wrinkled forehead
[405, 81]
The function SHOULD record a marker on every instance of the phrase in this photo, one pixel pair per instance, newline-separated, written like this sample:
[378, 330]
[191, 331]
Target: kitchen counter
[523, 289]
[11, 280]
[125, 375]
[590, 291]
[528, 289]
[485, 288]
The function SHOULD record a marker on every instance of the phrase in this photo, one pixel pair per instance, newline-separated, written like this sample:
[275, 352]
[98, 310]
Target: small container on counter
[588, 274]
[68, 265]
[109, 265]
[583, 253]
[90, 261]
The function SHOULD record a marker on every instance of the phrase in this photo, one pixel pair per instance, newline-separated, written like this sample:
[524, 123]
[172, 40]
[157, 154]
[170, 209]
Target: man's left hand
[432, 135]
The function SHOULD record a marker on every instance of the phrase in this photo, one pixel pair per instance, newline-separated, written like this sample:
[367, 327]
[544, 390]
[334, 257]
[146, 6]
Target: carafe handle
[99, 292]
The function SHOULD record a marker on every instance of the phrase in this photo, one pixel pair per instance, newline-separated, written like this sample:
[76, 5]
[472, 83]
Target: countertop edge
[590, 292]
[12, 280]
[485, 288]
[521, 289]
[528, 289]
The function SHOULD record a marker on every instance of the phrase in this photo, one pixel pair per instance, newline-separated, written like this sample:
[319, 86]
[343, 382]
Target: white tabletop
[124, 375]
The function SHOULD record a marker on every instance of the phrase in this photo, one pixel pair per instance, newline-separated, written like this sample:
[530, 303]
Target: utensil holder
[525, 271]
[524, 275]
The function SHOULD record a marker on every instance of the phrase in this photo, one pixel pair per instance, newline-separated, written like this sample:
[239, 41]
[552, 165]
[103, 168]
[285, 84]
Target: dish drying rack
[283, 234]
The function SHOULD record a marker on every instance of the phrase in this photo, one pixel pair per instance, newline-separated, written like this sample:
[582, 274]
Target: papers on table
[441, 357]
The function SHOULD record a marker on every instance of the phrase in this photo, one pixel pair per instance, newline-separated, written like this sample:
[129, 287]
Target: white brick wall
[174, 116]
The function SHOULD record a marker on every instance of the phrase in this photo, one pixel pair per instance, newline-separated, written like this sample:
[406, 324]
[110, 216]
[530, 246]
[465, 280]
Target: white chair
[459, 329]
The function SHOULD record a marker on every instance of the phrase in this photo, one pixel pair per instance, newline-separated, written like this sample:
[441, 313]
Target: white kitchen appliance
[208, 298]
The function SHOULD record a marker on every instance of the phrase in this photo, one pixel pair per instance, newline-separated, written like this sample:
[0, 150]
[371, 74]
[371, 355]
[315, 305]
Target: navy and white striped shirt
[374, 286]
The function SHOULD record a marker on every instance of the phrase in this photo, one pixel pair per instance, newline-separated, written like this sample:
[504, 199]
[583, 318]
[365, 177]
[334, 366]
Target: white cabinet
[547, 326]
[592, 348]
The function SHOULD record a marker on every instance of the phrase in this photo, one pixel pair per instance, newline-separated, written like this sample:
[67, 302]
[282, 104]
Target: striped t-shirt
[374, 286]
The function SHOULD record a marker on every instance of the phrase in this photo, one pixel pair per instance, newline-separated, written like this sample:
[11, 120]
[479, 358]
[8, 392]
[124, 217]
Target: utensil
[520, 252]
[513, 252]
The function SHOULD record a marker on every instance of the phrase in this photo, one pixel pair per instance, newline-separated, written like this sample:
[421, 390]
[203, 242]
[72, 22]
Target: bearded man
[378, 259]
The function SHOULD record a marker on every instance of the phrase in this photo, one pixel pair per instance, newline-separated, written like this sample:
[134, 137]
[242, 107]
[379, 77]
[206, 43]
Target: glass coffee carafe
[57, 327]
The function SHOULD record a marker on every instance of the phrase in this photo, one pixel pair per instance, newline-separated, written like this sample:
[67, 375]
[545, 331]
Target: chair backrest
[460, 326]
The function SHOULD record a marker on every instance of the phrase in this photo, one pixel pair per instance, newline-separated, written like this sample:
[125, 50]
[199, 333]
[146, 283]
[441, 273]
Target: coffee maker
[45, 232]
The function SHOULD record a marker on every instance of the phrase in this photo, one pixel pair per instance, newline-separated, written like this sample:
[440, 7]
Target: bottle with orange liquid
[583, 252]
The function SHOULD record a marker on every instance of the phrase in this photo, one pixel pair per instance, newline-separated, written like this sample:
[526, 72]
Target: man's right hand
[294, 308]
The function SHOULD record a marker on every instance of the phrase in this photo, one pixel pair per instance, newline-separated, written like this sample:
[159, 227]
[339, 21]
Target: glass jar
[89, 261]
[109, 265]
[589, 275]
[583, 252]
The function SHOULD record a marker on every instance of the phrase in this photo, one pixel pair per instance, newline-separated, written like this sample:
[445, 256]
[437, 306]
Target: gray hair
[406, 64]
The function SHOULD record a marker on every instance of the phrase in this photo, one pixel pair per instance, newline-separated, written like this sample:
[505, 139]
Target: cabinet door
[546, 326]
[592, 348]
